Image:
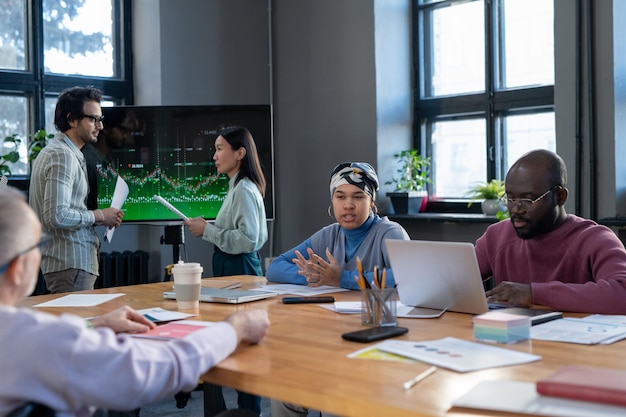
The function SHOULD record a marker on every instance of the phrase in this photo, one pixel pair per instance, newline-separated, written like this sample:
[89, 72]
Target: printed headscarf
[360, 174]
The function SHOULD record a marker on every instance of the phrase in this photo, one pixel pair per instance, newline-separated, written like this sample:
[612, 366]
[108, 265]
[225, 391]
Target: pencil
[384, 279]
[360, 282]
[359, 267]
[375, 280]
[412, 382]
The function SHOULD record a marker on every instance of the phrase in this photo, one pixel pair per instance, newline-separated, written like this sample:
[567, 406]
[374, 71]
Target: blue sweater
[365, 242]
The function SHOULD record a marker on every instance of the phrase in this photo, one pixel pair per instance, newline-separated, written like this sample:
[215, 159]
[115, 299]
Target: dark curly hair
[70, 105]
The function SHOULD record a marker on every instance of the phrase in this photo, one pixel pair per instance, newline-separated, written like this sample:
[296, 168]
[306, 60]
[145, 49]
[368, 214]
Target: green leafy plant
[12, 155]
[492, 190]
[413, 171]
[11, 145]
[38, 141]
[503, 215]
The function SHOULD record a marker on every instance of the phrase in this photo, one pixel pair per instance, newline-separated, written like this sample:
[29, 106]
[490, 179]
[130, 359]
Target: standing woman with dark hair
[240, 228]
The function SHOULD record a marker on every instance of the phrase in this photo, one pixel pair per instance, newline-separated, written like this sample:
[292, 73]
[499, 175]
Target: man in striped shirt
[58, 193]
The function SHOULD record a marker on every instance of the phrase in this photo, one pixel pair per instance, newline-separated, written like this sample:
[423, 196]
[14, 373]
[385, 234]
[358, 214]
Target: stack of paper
[590, 330]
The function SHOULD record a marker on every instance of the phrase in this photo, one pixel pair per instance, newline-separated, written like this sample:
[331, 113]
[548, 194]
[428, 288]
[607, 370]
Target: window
[484, 87]
[49, 45]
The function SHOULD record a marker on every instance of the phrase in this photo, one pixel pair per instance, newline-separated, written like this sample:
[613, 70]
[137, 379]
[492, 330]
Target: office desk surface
[304, 360]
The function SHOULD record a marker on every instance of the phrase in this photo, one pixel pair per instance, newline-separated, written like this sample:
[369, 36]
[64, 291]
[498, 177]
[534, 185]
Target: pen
[410, 383]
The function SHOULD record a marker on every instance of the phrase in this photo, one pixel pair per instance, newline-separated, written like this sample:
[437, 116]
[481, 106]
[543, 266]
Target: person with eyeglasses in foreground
[58, 193]
[74, 367]
[543, 255]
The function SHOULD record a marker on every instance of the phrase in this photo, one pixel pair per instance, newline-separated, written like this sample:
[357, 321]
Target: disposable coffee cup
[187, 277]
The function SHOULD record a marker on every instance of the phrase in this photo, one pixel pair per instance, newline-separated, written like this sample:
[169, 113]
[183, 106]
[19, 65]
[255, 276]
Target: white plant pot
[490, 207]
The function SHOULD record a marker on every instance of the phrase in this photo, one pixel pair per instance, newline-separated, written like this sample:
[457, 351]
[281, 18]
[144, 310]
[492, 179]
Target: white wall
[338, 76]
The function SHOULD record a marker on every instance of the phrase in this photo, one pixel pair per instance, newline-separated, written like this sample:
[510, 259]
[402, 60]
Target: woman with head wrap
[329, 256]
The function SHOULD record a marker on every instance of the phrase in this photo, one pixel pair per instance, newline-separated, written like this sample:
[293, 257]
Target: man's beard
[543, 225]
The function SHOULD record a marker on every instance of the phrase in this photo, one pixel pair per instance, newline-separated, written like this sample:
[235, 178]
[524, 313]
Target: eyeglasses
[525, 204]
[96, 119]
[42, 244]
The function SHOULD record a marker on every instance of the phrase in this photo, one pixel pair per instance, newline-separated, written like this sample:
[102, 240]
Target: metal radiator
[123, 268]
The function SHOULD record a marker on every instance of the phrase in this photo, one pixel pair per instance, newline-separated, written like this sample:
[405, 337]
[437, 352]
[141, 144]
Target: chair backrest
[32, 410]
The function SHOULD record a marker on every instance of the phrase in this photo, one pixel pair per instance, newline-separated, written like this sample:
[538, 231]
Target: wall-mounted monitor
[168, 151]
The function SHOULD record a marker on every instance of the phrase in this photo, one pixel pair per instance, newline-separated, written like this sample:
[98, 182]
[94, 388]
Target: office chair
[32, 409]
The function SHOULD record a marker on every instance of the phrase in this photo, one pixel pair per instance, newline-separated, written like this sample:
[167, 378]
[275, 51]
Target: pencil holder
[379, 307]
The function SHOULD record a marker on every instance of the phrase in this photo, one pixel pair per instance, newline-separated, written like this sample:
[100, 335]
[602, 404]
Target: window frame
[492, 104]
[34, 84]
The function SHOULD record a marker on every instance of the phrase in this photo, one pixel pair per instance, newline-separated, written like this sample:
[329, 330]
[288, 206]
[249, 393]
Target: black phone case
[304, 300]
[374, 333]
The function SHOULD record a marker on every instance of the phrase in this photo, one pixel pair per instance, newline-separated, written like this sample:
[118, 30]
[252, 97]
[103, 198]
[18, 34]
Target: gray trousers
[69, 280]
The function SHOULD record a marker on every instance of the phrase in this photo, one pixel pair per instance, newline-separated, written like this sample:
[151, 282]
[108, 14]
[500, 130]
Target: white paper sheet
[356, 307]
[79, 300]
[301, 290]
[119, 197]
[522, 397]
[456, 354]
[344, 307]
[158, 314]
[588, 330]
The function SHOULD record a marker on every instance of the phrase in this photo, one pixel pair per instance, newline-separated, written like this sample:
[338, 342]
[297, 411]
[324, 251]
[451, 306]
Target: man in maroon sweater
[545, 256]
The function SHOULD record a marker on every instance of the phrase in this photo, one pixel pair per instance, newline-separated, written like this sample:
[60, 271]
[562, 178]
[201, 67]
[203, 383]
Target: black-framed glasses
[525, 204]
[43, 243]
[96, 119]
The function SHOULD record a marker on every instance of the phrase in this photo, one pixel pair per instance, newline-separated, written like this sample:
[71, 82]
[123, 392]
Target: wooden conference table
[303, 358]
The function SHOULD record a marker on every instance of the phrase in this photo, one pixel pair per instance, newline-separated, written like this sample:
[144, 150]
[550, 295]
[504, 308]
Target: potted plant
[490, 193]
[410, 194]
[9, 153]
[37, 142]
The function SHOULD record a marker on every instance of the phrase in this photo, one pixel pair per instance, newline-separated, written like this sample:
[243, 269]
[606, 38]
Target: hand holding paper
[170, 207]
[119, 197]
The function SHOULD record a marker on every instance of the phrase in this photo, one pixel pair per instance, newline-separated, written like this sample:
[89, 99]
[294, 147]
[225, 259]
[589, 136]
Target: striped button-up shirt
[58, 192]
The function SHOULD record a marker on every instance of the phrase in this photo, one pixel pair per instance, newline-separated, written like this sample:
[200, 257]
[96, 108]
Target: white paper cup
[187, 278]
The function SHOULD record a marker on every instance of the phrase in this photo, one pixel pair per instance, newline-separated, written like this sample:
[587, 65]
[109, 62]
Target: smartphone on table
[374, 333]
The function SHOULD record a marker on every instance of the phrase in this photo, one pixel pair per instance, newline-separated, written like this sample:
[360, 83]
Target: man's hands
[112, 217]
[196, 226]
[511, 293]
[250, 325]
[124, 320]
[317, 271]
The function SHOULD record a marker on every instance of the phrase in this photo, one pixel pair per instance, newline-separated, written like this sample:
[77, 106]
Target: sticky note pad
[501, 327]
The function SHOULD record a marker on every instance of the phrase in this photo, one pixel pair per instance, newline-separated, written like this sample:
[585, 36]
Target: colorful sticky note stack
[501, 327]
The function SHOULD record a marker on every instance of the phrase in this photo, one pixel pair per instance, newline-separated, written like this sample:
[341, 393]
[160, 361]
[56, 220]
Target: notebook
[219, 295]
[442, 276]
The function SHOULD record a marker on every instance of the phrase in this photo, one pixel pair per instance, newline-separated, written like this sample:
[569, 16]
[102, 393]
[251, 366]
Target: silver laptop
[219, 295]
[442, 276]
